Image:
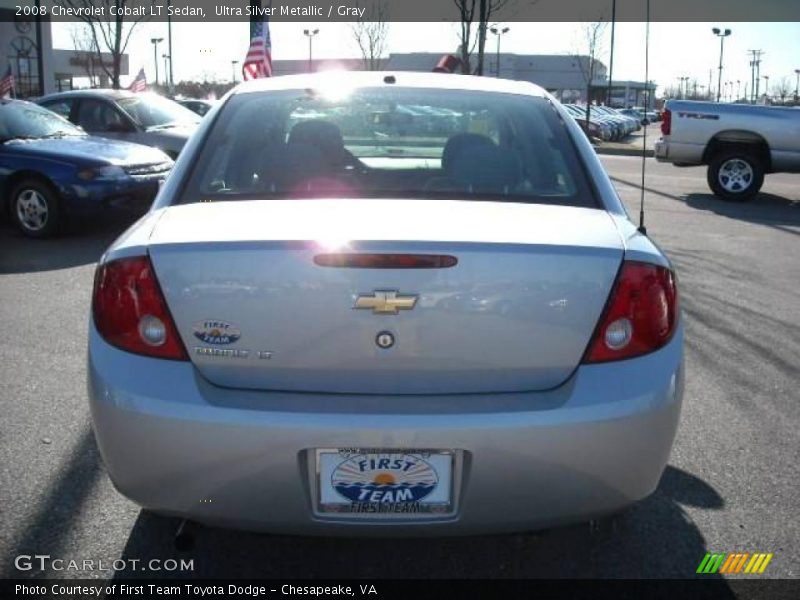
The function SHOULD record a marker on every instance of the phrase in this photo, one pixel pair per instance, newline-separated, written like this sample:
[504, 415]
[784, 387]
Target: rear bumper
[685, 154]
[176, 444]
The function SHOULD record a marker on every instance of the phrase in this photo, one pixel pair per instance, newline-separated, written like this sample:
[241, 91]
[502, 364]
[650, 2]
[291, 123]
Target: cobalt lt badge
[384, 340]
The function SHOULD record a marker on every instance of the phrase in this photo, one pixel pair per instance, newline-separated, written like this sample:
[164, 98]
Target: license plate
[385, 481]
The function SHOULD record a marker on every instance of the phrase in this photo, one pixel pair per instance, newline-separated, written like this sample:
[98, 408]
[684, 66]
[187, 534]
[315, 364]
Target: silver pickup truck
[740, 143]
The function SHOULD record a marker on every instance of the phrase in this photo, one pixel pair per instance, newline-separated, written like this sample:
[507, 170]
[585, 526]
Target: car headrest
[460, 143]
[487, 168]
[322, 134]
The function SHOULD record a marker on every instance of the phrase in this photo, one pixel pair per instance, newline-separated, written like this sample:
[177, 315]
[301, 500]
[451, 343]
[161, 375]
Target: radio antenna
[642, 228]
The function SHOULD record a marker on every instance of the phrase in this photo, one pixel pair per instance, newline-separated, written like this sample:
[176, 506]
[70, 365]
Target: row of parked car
[608, 124]
[78, 153]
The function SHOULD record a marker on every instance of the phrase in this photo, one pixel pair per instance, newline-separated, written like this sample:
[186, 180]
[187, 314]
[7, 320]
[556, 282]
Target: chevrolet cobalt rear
[389, 304]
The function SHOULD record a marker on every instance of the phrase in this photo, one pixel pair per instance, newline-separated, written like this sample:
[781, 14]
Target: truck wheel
[34, 208]
[735, 175]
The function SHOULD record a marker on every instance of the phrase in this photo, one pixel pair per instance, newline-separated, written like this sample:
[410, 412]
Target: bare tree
[586, 58]
[85, 51]
[782, 89]
[370, 32]
[109, 33]
[477, 14]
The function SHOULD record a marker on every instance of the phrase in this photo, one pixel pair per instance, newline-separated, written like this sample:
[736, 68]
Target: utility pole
[755, 62]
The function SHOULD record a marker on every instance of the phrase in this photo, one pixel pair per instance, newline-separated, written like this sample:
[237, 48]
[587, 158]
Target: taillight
[130, 312]
[641, 314]
[666, 122]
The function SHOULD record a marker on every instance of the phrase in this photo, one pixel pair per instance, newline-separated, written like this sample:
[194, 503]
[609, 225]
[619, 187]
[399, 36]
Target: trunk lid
[255, 311]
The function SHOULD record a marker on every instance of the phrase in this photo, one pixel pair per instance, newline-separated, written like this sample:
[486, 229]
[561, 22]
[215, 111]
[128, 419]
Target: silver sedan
[386, 304]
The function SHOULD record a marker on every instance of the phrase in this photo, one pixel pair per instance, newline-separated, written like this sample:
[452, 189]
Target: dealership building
[26, 45]
[565, 76]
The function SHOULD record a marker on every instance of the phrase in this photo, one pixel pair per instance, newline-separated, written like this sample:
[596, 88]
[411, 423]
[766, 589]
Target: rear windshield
[389, 142]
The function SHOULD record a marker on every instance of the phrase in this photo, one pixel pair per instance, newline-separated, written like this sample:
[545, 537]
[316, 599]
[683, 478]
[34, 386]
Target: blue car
[51, 170]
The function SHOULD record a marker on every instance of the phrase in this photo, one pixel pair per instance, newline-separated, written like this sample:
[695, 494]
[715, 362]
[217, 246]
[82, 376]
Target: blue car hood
[91, 149]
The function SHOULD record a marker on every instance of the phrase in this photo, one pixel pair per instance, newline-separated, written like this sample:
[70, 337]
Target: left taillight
[130, 312]
[641, 314]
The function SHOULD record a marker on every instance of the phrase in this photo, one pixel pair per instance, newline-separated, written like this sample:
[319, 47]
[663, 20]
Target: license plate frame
[341, 482]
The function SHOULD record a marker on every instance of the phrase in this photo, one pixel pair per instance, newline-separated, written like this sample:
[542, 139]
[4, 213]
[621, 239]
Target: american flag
[258, 62]
[7, 83]
[140, 83]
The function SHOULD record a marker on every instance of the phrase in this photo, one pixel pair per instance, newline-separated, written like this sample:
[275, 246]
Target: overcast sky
[205, 50]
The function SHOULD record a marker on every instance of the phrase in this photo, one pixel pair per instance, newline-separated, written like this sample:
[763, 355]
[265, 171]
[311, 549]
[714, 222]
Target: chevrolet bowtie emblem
[386, 302]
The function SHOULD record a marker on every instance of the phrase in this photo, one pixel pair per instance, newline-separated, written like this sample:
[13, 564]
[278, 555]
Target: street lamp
[156, 42]
[796, 84]
[766, 87]
[166, 58]
[683, 87]
[738, 89]
[498, 33]
[721, 35]
[310, 34]
[233, 71]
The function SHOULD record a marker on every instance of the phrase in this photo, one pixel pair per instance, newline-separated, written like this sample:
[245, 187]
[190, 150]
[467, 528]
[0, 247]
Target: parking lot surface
[731, 484]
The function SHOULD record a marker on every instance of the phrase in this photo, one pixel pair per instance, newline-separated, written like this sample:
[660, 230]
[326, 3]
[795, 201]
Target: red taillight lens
[130, 312]
[666, 122]
[640, 316]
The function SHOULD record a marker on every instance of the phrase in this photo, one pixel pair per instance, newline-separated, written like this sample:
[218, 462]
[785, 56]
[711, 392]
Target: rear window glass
[389, 142]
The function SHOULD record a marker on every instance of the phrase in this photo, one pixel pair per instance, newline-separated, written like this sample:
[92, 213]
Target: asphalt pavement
[731, 485]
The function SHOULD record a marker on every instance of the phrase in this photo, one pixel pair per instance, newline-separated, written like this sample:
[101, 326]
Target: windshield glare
[389, 142]
[152, 110]
[26, 120]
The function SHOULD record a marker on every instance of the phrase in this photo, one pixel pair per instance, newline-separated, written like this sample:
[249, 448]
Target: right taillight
[130, 312]
[666, 122]
[640, 316]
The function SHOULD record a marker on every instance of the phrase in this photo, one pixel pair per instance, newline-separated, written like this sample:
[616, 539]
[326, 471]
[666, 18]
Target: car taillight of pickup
[740, 143]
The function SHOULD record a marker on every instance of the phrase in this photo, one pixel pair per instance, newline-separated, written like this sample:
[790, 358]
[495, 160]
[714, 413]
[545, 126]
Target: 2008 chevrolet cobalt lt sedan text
[390, 304]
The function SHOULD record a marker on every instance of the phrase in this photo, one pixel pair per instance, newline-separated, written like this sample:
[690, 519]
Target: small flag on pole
[258, 62]
[140, 83]
[7, 83]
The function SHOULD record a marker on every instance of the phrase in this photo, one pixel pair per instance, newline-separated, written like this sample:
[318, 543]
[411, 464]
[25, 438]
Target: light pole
[796, 84]
[738, 89]
[169, 45]
[165, 56]
[611, 57]
[682, 87]
[498, 33]
[766, 87]
[233, 71]
[310, 34]
[722, 35]
[156, 42]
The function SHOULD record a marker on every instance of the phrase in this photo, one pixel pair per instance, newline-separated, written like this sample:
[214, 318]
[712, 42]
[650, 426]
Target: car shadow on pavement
[58, 509]
[78, 245]
[766, 209]
[654, 539]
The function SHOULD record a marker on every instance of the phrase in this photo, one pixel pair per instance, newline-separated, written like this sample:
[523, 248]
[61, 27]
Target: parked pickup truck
[740, 143]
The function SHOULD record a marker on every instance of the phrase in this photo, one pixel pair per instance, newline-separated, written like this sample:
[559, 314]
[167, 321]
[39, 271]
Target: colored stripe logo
[734, 562]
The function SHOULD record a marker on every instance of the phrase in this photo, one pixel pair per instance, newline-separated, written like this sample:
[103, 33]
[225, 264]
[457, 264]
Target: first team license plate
[375, 481]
